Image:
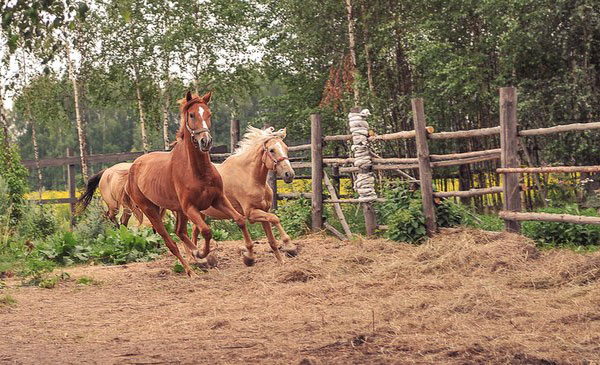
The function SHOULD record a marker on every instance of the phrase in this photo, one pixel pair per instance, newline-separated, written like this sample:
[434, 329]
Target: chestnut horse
[244, 176]
[184, 181]
[111, 183]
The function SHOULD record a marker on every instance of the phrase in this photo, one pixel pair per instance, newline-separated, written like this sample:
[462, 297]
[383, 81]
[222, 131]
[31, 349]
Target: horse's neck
[199, 161]
[254, 165]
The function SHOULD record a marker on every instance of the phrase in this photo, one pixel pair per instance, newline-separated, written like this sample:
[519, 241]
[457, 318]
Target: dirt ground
[466, 296]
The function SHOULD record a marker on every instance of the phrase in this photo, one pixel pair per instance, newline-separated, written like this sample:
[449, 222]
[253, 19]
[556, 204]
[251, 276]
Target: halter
[193, 132]
[268, 153]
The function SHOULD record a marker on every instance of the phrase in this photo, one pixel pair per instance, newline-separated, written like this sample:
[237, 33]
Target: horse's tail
[130, 205]
[86, 198]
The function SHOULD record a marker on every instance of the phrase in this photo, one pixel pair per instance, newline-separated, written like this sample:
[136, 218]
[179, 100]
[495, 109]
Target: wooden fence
[510, 168]
[424, 161]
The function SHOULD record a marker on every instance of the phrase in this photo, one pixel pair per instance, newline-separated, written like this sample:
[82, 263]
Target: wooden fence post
[71, 185]
[425, 174]
[272, 180]
[316, 154]
[234, 133]
[509, 143]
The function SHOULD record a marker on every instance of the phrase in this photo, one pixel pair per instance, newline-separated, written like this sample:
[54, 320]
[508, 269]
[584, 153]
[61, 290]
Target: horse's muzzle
[206, 143]
[288, 177]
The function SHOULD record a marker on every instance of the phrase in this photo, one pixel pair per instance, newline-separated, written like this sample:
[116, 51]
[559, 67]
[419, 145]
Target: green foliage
[13, 186]
[489, 223]
[403, 213]
[123, 245]
[7, 300]
[220, 234]
[38, 222]
[87, 280]
[564, 234]
[406, 225]
[178, 268]
[64, 248]
[295, 217]
[92, 223]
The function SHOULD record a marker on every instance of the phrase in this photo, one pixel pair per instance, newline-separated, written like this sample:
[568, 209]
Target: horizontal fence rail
[545, 169]
[548, 217]
[560, 128]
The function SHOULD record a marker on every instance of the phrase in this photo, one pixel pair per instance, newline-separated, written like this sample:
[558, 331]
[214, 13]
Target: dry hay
[463, 297]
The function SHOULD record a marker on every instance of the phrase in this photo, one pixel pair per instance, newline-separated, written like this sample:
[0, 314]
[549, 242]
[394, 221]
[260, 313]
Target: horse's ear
[283, 133]
[188, 96]
[206, 97]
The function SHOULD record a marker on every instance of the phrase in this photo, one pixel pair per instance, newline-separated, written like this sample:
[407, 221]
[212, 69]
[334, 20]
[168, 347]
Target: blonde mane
[254, 136]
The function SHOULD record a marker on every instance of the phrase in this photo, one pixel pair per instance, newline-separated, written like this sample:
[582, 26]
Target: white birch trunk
[80, 124]
[352, 45]
[141, 111]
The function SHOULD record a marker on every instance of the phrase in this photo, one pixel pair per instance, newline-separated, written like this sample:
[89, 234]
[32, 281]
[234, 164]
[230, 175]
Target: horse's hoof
[192, 274]
[290, 250]
[247, 260]
[197, 254]
[212, 261]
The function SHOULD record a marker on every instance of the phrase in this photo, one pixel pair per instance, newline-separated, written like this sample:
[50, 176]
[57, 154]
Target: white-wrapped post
[364, 184]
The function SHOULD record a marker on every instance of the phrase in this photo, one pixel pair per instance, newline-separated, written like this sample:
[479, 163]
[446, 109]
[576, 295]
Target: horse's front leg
[224, 205]
[268, 219]
[258, 215]
[181, 231]
[198, 219]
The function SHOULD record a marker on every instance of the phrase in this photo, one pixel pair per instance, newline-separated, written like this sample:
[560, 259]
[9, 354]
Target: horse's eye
[192, 115]
[272, 150]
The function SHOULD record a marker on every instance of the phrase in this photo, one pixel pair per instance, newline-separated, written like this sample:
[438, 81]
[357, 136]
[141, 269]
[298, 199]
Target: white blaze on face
[280, 147]
[201, 112]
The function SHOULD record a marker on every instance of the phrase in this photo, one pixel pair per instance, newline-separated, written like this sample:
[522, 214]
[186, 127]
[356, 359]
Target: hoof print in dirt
[290, 250]
[359, 340]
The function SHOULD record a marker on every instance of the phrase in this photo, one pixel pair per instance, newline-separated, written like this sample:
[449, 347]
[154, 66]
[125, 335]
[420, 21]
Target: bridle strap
[268, 153]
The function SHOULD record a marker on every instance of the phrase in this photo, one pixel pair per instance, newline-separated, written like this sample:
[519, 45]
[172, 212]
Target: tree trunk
[141, 110]
[367, 51]
[352, 45]
[165, 112]
[36, 151]
[166, 105]
[80, 123]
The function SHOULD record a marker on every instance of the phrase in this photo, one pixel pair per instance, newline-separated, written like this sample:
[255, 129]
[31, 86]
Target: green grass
[87, 280]
[7, 300]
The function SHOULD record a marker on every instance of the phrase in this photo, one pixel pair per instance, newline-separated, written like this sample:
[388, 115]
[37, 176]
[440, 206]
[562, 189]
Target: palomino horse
[244, 176]
[111, 183]
[184, 181]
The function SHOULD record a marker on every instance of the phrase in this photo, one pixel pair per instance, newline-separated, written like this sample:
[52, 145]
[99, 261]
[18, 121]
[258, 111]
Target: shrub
[13, 187]
[123, 245]
[559, 234]
[64, 248]
[92, 223]
[295, 217]
[403, 213]
[38, 222]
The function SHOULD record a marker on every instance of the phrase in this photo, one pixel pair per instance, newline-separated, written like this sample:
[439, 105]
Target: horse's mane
[253, 136]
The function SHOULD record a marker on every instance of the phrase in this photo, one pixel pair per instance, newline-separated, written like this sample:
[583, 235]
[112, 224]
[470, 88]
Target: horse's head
[196, 117]
[276, 156]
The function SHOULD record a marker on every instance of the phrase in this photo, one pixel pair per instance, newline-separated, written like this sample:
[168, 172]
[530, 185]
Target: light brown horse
[184, 181]
[111, 183]
[244, 176]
